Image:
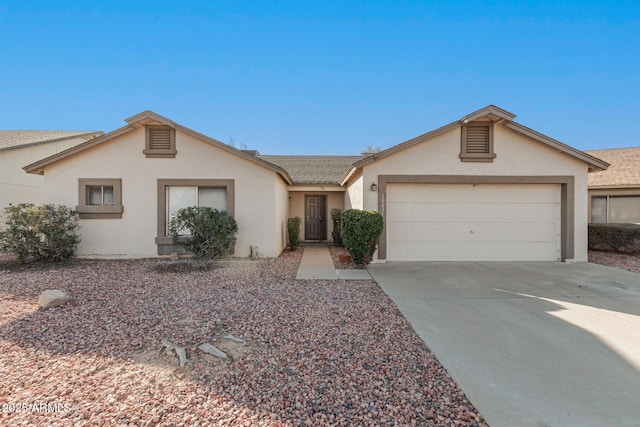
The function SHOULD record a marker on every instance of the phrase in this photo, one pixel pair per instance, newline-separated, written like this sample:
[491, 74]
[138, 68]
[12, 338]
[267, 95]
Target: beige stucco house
[20, 147]
[480, 188]
[614, 194]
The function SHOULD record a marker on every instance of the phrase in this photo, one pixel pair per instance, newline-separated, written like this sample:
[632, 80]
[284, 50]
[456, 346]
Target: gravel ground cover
[336, 252]
[611, 259]
[315, 352]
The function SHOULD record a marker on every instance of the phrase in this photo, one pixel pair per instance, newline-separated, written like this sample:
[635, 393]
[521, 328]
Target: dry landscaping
[629, 262]
[305, 352]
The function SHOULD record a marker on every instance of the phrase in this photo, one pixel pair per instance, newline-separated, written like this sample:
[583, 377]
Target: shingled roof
[624, 169]
[17, 138]
[314, 169]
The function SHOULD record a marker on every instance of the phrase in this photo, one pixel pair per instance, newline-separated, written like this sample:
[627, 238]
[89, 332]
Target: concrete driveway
[531, 344]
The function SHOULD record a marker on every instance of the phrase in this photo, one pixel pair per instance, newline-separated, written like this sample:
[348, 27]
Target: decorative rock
[213, 350]
[180, 351]
[234, 339]
[182, 355]
[174, 256]
[52, 298]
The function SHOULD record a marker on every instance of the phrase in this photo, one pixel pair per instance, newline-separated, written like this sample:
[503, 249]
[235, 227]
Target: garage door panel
[446, 212]
[459, 251]
[473, 232]
[478, 223]
[412, 193]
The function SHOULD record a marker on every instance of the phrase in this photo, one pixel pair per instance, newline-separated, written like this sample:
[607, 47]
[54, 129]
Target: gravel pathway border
[616, 260]
[315, 353]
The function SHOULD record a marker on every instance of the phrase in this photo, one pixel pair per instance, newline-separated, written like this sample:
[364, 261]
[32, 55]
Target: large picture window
[175, 194]
[615, 209]
[183, 196]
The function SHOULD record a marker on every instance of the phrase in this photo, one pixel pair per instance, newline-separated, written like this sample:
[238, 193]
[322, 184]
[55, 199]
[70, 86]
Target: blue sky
[323, 77]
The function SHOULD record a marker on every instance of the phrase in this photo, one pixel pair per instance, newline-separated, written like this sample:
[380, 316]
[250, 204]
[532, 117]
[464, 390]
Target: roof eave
[495, 113]
[250, 157]
[613, 186]
[140, 120]
[86, 136]
[148, 116]
[37, 168]
[594, 163]
[406, 144]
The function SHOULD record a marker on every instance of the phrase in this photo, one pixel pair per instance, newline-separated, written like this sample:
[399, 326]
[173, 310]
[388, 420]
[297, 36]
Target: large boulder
[52, 298]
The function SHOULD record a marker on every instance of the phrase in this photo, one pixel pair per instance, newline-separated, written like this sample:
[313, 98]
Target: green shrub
[336, 234]
[361, 231]
[207, 233]
[624, 238]
[293, 232]
[43, 233]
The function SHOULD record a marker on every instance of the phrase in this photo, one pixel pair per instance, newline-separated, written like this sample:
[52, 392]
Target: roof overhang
[141, 120]
[316, 187]
[86, 136]
[498, 116]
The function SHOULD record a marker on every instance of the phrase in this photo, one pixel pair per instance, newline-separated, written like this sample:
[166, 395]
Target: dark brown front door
[315, 226]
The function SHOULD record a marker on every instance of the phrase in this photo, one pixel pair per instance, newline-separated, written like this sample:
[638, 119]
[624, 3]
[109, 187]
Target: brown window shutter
[477, 139]
[160, 138]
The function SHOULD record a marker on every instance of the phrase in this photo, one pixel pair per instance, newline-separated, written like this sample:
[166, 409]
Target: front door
[315, 226]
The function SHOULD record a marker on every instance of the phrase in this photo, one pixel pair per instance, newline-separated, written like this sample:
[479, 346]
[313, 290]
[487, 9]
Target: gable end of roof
[140, 120]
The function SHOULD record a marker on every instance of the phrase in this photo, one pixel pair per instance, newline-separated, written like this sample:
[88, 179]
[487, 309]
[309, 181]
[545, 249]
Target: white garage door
[465, 222]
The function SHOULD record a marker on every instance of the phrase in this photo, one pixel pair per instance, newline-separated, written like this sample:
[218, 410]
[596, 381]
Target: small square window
[100, 195]
[99, 198]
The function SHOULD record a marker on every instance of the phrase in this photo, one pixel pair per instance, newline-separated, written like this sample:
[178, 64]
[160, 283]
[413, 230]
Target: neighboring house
[480, 188]
[20, 147]
[614, 194]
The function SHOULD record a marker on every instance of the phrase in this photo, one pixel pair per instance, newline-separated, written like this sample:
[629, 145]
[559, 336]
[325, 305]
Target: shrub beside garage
[623, 238]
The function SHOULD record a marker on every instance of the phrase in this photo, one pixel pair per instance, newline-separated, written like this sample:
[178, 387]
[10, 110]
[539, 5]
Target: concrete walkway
[316, 264]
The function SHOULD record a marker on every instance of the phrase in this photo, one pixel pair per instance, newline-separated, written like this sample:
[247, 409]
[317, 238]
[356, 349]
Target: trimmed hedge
[293, 232]
[210, 233]
[623, 238]
[43, 233]
[336, 234]
[361, 231]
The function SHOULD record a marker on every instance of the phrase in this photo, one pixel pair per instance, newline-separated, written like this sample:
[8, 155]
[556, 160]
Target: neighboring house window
[477, 142]
[160, 141]
[99, 198]
[174, 194]
[615, 209]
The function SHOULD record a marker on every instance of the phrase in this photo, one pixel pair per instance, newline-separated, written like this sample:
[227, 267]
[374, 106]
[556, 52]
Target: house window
[99, 198]
[100, 195]
[615, 209]
[477, 142]
[181, 196]
[160, 141]
[175, 194]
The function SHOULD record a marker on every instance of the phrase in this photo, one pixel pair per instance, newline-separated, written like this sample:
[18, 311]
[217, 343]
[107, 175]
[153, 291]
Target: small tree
[293, 232]
[361, 231]
[336, 234]
[207, 233]
[44, 233]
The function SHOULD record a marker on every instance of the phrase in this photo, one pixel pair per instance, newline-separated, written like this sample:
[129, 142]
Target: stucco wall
[17, 186]
[353, 197]
[282, 213]
[516, 155]
[134, 234]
